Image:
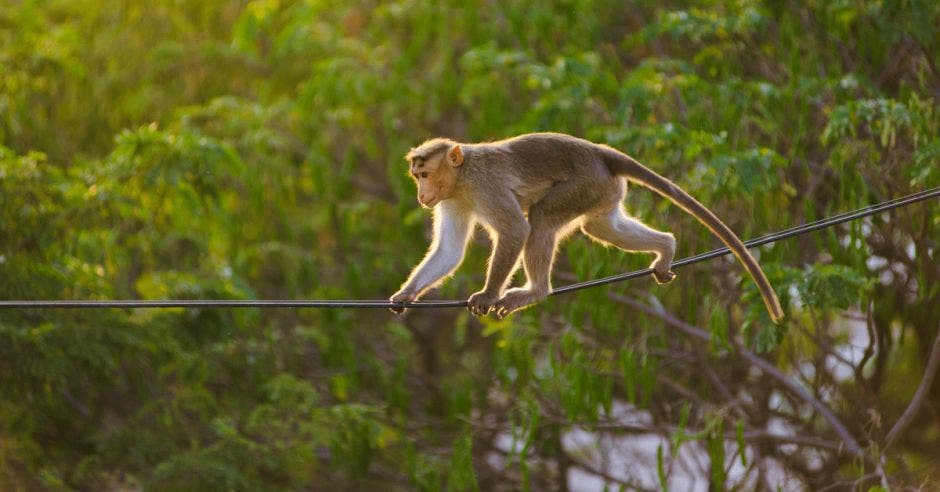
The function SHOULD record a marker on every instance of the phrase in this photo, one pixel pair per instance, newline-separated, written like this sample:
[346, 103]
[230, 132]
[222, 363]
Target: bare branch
[870, 348]
[752, 435]
[840, 429]
[930, 372]
[593, 470]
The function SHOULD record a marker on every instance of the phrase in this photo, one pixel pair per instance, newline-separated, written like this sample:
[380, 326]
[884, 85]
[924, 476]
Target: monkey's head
[433, 165]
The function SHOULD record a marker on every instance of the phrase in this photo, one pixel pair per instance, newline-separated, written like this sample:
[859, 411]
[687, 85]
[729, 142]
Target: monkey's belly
[529, 194]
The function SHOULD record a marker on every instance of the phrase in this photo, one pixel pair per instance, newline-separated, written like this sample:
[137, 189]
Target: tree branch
[930, 372]
[840, 429]
[752, 435]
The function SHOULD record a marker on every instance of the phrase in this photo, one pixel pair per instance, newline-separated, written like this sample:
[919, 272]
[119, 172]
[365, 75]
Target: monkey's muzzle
[429, 203]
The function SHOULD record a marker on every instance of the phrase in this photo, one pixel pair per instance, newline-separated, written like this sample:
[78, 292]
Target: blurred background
[168, 149]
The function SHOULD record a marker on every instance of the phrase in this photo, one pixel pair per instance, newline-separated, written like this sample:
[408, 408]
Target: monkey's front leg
[452, 227]
[508, 245]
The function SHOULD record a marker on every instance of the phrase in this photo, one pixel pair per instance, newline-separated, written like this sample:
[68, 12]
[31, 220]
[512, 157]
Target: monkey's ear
[455, 156]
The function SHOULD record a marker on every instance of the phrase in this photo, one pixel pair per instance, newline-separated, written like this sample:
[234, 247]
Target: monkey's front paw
[663, 277]
[514, 300]
[401, 298]
[481, 303]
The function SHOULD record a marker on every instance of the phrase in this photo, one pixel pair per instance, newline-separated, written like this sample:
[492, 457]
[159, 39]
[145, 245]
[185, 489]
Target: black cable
[221, 303]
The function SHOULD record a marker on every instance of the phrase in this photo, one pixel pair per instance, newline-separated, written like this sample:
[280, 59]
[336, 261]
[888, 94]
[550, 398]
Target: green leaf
[462, 475]
[831, 286]
[661, 469]
[715, 443]
[739, 435]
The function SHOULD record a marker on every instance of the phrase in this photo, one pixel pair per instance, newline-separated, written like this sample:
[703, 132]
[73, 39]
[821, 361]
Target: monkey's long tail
[623, 165]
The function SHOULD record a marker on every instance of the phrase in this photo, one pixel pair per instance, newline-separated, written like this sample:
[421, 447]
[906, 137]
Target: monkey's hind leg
[549, 219]
[617, 229]
[537, 260]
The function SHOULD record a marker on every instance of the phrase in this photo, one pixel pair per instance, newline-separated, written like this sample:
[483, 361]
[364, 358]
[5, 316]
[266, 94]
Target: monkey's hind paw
[500, 311]
[481, 303]
[663, 277]
[512, 301]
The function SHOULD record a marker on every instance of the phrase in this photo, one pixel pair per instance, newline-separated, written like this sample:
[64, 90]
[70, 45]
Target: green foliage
[462, 476]
[831, 287]
[252, 149]
[715, 442]
[660, 468]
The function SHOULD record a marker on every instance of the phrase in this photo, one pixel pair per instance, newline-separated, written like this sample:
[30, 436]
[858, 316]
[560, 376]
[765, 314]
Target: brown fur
[528, 192]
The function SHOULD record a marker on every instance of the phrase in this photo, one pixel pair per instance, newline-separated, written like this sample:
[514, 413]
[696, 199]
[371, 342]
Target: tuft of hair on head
[430, 148]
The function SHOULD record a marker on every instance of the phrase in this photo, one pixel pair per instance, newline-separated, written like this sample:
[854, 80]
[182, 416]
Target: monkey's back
[554, 156]
[531, 165]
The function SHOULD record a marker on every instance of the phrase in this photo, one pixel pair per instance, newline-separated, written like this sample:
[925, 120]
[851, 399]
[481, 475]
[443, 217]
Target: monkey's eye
[423, 175]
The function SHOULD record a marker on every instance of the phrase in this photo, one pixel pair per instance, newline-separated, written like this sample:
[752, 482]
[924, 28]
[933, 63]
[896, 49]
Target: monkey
[529, 192]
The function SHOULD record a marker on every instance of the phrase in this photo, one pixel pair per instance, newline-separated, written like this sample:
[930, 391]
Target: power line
[278, 303]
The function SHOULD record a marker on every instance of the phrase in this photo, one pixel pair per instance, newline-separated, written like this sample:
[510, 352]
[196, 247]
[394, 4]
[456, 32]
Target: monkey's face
[435, 175]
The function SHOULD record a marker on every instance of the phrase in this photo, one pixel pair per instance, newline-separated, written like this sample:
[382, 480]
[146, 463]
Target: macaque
[529, 192]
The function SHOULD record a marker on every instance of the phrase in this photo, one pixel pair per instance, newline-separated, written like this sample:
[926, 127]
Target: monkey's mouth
[430, 203]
